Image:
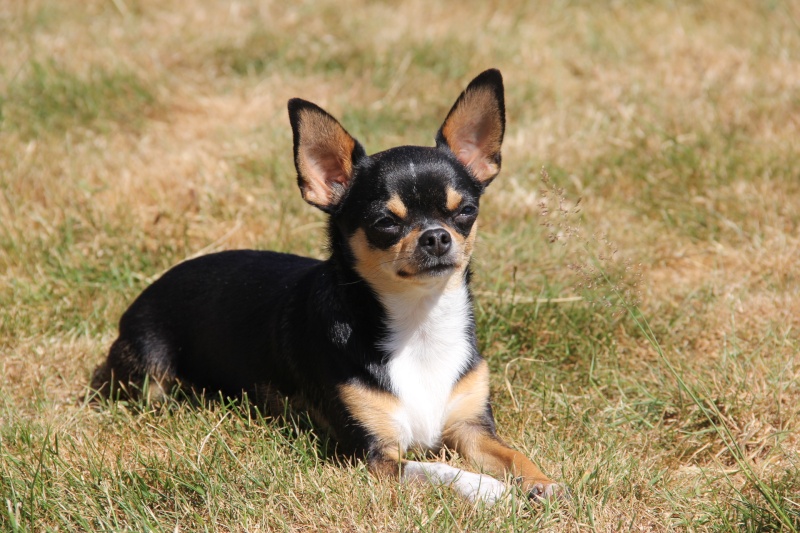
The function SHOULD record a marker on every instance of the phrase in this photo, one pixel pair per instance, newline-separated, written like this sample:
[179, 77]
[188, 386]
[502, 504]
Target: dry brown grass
[134, 134]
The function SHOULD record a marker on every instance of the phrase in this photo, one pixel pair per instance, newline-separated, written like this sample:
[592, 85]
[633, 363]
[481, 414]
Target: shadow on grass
[273, 413]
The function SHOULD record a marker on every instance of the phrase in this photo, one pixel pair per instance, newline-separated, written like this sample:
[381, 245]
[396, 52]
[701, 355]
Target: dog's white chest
[429, 347]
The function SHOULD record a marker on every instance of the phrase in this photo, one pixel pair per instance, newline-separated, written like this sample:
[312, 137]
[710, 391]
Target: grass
[136, 134]
[47, 99]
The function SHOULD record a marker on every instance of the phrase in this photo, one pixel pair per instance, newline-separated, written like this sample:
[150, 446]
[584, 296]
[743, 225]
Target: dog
[378, 341]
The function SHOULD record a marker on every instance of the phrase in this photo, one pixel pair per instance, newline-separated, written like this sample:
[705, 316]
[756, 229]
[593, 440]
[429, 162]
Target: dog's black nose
[435, 242]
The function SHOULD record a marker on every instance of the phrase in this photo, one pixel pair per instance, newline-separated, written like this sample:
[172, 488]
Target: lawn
[636, 277]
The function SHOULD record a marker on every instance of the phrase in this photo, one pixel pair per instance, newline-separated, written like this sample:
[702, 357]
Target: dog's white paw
[479, 487]
[474, 487]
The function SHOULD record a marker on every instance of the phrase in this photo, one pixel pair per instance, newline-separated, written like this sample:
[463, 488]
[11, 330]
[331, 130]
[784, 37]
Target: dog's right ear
[473, 130]
[324, 154]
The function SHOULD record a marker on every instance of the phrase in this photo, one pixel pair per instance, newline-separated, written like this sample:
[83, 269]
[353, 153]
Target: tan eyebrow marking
[453, 198]
[396, 206]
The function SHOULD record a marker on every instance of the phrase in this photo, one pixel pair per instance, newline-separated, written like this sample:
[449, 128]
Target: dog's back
[213, 322]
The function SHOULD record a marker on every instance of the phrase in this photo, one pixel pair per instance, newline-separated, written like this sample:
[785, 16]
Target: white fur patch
[430, 348]
[474, 487]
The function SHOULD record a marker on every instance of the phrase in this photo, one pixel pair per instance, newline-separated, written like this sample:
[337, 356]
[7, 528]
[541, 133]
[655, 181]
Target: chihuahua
[378, 341]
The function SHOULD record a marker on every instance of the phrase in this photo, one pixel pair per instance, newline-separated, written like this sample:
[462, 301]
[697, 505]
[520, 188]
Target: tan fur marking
[324, 158]
[492, 455]
[381, 267]
[467, 402]
[505, 459]
[374, 411]
[469, 242]
[453, 198]
[466, 246]
[474, 132]
[396, 206]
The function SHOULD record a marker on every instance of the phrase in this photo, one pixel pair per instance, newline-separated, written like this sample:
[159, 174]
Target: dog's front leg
[470, 431]
[490, 454]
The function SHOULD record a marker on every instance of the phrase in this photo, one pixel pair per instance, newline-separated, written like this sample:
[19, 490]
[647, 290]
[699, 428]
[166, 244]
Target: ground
[636, 286]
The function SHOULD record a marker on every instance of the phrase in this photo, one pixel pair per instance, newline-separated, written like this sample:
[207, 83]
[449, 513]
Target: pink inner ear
[467, 153]
[472, 152]
[328, 167]
[325, 173]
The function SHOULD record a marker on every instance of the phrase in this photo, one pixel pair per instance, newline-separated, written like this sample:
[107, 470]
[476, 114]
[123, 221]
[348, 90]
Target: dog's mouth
[437, 270]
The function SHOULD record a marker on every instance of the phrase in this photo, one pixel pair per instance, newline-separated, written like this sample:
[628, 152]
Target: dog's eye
[468, 211]
[386, 224]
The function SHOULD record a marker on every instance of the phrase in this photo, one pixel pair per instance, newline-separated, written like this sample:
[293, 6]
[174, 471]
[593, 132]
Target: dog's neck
[428, 312]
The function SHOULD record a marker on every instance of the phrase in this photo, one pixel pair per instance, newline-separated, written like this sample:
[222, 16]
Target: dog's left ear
[325, 155]
[474, 128]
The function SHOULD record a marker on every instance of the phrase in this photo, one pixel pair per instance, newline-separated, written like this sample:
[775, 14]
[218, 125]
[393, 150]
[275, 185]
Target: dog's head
[409, 213]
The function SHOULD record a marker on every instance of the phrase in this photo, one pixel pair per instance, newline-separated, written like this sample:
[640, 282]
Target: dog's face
[409, 213]
[410, 217]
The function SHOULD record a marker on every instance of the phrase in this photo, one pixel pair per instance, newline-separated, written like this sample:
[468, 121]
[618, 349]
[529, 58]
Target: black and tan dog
[378, 341]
